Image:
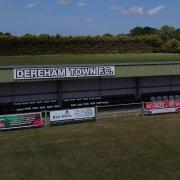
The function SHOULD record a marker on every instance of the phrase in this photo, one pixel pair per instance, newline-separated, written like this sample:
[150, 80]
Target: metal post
[96, 111]
[143, 108]
[46, 118]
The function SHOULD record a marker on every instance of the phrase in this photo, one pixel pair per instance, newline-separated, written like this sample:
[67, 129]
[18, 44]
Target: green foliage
[171, 46]
[177, 34]
[137, 31]
[139, 40]
[108, 34]
[166, 32]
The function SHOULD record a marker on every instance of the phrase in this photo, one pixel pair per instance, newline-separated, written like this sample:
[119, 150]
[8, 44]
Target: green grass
[126, 148]
[87, 59]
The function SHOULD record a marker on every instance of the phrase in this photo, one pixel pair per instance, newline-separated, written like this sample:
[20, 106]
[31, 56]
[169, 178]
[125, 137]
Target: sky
[85, 17]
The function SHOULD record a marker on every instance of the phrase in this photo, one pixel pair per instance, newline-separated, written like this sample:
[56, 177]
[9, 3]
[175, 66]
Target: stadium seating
[159, 98]
[98, 101]
[177, 97]
[171, 97]
[52, 104]
[162, 96]
[165, 98]
[29, 106]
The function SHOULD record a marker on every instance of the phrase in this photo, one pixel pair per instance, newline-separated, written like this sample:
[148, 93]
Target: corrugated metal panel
[176, 80]
[98, 87]
[118, 91]
[75, 85]
[19, 98]
[30, 91]
[118, 83]
[155, 81]
[6, 75]
[159, 84]
[156, 89]
[82, 85]
[131, 70]
[147, 70]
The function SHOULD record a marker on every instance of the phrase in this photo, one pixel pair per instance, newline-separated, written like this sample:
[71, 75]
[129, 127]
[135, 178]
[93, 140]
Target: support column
[138, 87]
[59, 90]
[100, 86]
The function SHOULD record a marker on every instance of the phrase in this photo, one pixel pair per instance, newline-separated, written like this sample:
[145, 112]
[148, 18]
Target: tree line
[138, 40]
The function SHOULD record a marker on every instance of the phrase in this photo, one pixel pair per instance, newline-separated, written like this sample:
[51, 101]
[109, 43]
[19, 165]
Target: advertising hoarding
[168, 106]
[73, 115]
[16, 121]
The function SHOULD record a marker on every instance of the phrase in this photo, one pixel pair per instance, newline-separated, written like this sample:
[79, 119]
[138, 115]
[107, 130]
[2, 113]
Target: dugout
[28, 88]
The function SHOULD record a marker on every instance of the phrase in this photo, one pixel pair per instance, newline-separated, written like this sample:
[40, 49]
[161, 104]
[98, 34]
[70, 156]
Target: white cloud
[32, 5]
[134, 10]
[81, 4]
[137, 10]
[155, 11]
[63, 2]
[131, 11]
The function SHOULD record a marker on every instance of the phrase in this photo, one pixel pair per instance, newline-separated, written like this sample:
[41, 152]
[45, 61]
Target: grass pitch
[87, 59]
[126, 148]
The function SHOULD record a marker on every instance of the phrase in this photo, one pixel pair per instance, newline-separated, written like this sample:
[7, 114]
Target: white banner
[73, 114]
[160, 111]
[64, 72]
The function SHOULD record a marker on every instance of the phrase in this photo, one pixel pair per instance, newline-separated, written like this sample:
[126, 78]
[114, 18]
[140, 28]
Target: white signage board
[63, 72]
[160, 111]
[73, 114]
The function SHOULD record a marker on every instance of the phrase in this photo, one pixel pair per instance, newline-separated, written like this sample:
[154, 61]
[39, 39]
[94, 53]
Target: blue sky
[82, 17]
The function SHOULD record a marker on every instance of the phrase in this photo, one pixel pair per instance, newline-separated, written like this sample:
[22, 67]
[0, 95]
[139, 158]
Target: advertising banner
[63, 72]
[17, 121]
[73, 115]
[160, 107]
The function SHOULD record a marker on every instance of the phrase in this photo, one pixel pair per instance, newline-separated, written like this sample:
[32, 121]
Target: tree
[149, 31]
[177, 34]
[7, 34]
[137, 31]
[141, 31]
[167, 32]
[108, 35]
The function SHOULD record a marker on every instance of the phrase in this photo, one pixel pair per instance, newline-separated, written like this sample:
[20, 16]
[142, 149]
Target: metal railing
[120, 107]
[111, 111]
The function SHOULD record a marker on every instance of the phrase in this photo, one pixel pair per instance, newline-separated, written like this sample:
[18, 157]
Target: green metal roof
[133, 70]
[127, 65]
